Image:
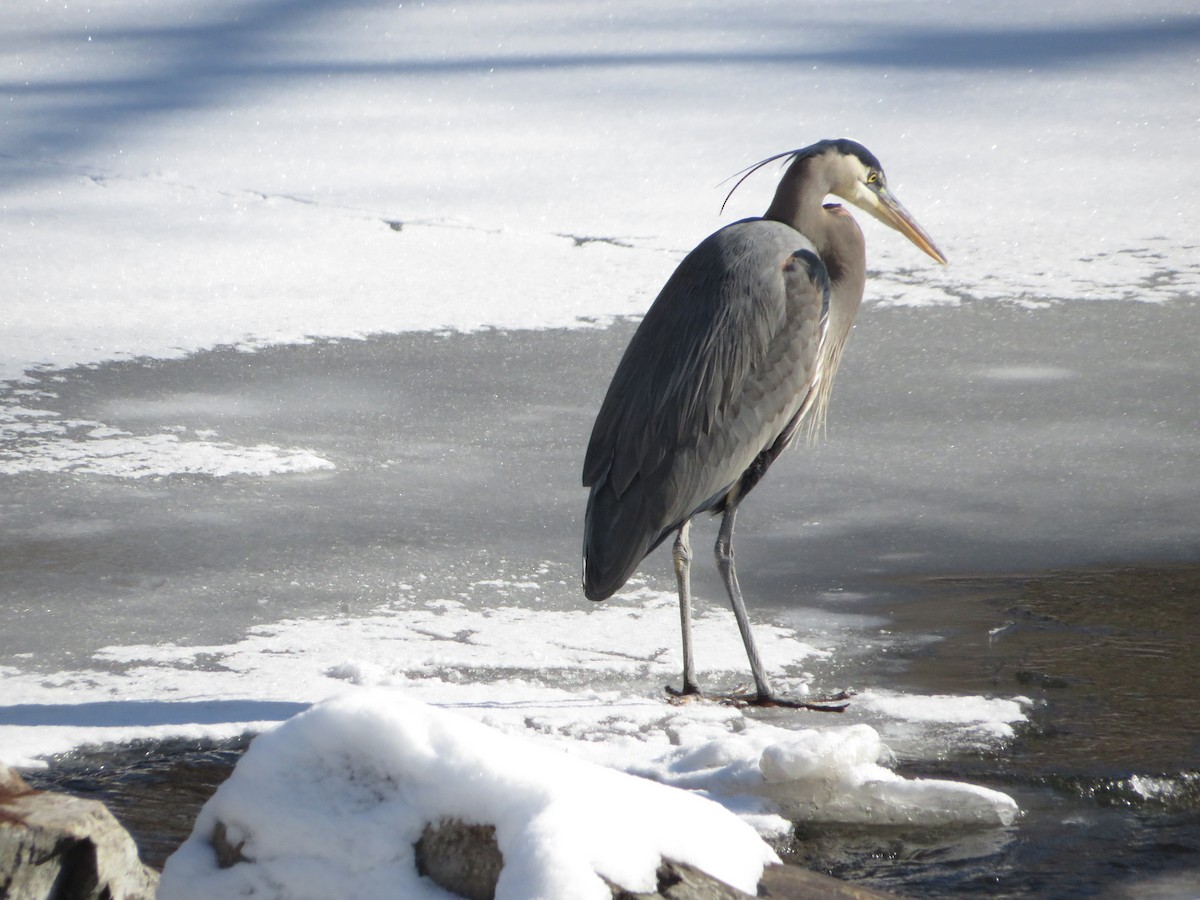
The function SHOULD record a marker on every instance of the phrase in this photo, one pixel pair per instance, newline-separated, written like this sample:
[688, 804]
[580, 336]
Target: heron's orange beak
[888, 210]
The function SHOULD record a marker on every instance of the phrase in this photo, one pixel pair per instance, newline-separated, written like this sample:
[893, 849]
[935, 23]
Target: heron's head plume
[841, 147]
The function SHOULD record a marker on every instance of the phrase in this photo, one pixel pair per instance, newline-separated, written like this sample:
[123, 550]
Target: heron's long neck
[799, 202]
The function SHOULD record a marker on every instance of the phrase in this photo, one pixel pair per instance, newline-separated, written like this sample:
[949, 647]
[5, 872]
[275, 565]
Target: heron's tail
[615, 539]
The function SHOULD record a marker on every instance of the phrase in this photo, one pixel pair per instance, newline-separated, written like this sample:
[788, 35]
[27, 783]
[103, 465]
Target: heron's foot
[748, 697]
[836, 703]
[690, 691]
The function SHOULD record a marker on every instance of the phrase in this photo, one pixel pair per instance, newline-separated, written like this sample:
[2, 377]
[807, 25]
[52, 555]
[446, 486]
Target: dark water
[982, 440]
[155, 790]
[1107, 773]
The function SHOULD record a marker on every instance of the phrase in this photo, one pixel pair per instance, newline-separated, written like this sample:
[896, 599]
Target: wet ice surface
[446, 469]
[438, 555]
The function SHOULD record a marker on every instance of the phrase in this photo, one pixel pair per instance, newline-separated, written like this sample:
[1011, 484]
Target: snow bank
[330, 804]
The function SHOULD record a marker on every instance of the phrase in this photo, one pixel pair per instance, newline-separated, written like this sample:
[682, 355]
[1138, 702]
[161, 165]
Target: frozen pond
[969, 440]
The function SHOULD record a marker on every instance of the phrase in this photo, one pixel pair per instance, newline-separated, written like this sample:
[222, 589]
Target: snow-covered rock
[333, 802]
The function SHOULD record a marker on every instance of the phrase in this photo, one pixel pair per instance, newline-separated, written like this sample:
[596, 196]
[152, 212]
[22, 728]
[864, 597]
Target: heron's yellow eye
[872, 177]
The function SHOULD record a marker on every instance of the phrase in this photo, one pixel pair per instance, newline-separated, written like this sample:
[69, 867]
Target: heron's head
[846, 169]
[856, 176]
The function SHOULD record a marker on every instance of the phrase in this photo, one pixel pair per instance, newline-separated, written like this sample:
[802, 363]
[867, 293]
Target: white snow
[178, 177]
[36, 440]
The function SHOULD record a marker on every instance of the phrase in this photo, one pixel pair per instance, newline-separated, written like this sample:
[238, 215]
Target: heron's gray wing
[719, 368]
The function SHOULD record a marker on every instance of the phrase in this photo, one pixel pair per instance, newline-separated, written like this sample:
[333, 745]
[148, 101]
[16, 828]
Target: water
[1108, 771]
[983, 440]
[155, 790]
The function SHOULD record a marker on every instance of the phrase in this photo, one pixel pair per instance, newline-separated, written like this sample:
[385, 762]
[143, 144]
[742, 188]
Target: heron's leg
[681, 554]
[724, 552]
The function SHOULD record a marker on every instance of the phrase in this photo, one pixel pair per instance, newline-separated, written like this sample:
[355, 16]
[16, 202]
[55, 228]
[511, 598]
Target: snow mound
[330, 803]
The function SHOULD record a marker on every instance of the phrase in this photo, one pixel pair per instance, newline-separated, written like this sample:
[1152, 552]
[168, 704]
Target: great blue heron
[736, 353]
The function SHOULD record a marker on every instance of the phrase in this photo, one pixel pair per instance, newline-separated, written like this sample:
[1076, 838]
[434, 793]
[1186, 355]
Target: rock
[228, 854]
[795, 883]
[679, 881]
[62, 847]
[11, 782]
[465, 860]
